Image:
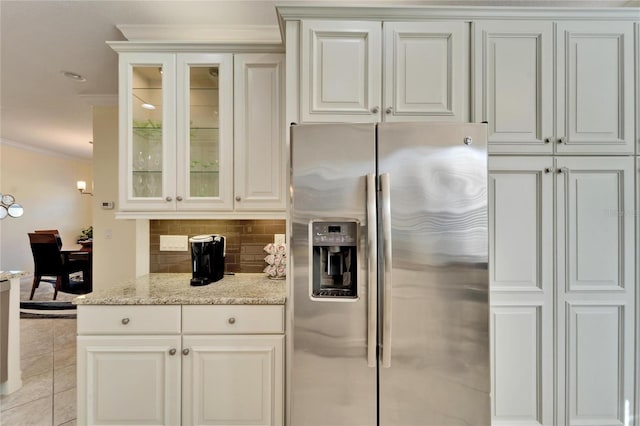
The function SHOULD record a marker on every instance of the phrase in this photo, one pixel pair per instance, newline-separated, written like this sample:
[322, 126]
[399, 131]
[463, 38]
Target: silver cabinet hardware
[185, 351]
[238, 198]
[563, 170]
[547, 140]
[172, 351]
[375, 110]
[232, 320]
[562, 140]
[125, 321]
[547, 169]
[468, 140]
[168, 199]
[179, 198]
[389, 110]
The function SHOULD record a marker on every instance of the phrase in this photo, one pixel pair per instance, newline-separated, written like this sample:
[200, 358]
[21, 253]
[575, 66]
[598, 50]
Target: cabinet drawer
[128, 319]
[232, 319]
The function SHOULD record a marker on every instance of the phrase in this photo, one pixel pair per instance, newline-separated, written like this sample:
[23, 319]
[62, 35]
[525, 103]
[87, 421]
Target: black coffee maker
[207, 258]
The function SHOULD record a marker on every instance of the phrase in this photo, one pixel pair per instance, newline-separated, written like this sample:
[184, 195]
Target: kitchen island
[156, 350]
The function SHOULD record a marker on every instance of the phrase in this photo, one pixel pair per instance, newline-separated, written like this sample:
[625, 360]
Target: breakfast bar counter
[175, 289]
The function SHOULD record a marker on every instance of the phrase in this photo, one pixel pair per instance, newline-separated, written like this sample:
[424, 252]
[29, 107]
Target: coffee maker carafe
[207, 258]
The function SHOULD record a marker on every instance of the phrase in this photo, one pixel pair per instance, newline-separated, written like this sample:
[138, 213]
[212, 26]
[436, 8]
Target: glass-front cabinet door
[205, 131]
[177, 144]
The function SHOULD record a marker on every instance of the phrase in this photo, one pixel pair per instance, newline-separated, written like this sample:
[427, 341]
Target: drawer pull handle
[185, 351]
[125, 321]
[172, 351]
[232, 320]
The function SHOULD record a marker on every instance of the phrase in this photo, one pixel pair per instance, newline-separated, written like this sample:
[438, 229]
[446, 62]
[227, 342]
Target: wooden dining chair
[51, 231]
[50, 261]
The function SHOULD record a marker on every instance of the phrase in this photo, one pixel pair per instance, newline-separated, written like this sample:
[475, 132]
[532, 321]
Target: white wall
[44, 183]
[114, 240]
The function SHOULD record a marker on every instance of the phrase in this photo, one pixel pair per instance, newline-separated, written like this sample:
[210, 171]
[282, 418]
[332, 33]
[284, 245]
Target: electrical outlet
[174, 243]
[278, 239]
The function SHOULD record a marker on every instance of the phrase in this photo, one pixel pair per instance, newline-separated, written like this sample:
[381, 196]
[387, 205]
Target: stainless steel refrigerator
[389, 252]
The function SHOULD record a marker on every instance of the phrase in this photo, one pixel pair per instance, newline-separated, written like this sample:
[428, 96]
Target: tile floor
[48, 359]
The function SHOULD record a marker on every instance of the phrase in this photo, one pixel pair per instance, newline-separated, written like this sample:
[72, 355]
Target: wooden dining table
[85, 251]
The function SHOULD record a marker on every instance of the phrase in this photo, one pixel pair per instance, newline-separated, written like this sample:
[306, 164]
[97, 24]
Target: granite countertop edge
[175, 289]
[9, 275]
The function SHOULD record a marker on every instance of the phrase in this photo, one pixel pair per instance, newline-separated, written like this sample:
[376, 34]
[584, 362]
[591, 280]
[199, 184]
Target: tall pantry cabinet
[561, 227]
[556, 89]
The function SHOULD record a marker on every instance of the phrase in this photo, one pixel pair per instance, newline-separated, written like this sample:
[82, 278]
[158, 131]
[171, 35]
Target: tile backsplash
[245, 241]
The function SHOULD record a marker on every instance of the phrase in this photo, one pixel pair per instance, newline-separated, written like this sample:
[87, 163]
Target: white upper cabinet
[593, 98]
[425, 71]
[341, 69]
[595, 88]
[201, 134]
[176, 124]
[514, 85]
[344, 77]
[260, 160]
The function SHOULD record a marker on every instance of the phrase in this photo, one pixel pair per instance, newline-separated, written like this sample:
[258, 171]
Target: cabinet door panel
[521, 283]
[233, 380]
[514, 85]
[147, 131]
[424, 74]
[520, 223]
[595, 87]
[341, 71]
[259, 137]
[595, 289]
[128, 380]
[204, 153]
[517, 349]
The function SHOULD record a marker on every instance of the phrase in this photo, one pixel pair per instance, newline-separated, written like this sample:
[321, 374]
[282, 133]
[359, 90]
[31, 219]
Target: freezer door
[331, 380]
[434, 369]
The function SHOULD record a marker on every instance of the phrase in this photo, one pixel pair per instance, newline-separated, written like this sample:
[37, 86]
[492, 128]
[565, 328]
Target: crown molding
[247, 34]
[40, 150]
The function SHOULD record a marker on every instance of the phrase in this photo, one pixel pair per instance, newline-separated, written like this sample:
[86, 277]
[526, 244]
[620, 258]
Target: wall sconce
[82, 186]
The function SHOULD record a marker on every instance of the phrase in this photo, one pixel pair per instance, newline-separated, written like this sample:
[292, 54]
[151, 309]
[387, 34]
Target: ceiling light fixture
[148, 106]
[74, 76]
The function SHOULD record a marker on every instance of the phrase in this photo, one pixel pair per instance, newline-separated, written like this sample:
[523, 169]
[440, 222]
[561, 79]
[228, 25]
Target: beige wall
[45, 184]
[114, 240]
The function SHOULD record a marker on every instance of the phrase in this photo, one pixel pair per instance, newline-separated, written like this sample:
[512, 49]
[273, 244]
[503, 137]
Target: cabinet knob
[125, 321]
[389, 110]
[375, 110]
[172, 351]
[563, 170]
[238, 198]
[168, 199]
[562, 140]
[185, 351]
[468, 140]
[547, 169]
[179, 198]
[547, 140]
[232, 320]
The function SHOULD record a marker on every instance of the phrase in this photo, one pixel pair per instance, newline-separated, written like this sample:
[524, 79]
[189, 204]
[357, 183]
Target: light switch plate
[174, 243]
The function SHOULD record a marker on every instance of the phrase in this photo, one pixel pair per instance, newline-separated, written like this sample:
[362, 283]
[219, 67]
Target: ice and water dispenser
[334, 248]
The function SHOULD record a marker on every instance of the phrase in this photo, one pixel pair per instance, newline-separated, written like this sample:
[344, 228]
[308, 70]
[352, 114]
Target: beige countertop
[174, 289]
[8, 275]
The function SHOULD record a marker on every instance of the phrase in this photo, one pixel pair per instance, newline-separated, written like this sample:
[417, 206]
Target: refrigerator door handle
[386, 240]
[372, 244]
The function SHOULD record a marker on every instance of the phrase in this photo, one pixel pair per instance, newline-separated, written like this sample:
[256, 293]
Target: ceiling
[41, 108]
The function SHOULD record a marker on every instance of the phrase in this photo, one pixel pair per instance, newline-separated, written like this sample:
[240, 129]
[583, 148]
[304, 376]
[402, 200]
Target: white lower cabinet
[222, 376]
[562, 290]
